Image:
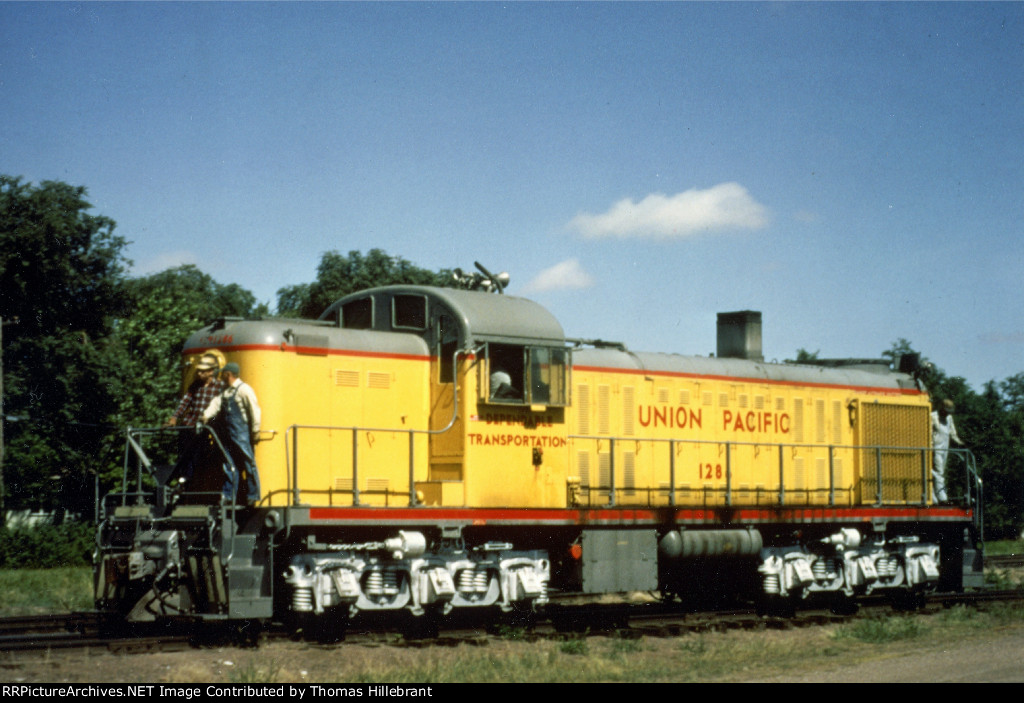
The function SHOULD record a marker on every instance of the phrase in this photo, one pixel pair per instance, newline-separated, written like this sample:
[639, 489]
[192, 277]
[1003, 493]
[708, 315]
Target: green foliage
[33, 591]
[1000, 579]
[803, 356]
[878, 630]
[339, 275]
[625, 642]
[256, 672]
[67, 545]
[93, 351]
[576, 645]
[1005, 546]
[60, 275]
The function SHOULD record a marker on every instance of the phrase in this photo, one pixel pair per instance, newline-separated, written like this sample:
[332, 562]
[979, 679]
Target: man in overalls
[235, 417]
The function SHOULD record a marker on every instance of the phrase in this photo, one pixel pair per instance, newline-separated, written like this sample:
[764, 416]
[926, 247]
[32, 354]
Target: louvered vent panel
[346, 378]
[583, 467]
[376, 379]
[604, 422]
[629, 473]
[582, 409]
[628, 411]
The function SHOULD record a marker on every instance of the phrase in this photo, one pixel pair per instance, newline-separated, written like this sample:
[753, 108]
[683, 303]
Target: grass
[38, 591]
[882, 629]
[1003, 547]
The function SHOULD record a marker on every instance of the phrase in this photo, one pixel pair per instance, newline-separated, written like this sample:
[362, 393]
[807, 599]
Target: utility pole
[3, 488]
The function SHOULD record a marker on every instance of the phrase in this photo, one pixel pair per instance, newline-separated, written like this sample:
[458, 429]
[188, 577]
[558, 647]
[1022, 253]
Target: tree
[162, 310]
[339, 275]
[61, 271]
[803, 356]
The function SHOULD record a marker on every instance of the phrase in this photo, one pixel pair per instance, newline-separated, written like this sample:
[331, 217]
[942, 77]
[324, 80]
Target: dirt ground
[996, 656]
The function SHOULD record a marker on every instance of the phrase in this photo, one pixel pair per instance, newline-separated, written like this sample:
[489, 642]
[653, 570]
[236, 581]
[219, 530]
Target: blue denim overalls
[232, 427]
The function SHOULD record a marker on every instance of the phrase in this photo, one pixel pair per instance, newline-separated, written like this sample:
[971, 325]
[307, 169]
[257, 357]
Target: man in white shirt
[943, 430]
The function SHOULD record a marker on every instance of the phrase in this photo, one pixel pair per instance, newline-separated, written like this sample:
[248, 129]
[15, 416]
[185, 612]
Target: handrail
[292, 457]
[134, 446]
[973, 497]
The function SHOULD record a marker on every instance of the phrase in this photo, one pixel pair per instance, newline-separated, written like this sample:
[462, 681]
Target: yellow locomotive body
[355, 415]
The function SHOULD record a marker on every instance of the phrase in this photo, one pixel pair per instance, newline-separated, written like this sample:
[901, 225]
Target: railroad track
[1004, 561]
[81, 630]
[86, 631]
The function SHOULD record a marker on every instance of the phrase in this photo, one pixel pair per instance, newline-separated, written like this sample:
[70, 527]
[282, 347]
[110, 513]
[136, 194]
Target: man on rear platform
[235, 416]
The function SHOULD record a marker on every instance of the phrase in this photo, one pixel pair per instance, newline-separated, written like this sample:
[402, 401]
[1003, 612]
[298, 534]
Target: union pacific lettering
[688, 418]
[665, 416]
[756, 421]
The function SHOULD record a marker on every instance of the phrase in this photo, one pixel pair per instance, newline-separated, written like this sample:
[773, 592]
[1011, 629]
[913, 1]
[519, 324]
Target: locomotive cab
[496, 362]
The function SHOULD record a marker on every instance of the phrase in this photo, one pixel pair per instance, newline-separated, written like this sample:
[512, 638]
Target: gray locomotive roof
[482, 316]
[301, 333]
[712, 366]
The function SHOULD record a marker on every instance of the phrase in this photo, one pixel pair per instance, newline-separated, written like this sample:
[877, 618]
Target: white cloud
[724, 206]
[567, 274]
[164, 261]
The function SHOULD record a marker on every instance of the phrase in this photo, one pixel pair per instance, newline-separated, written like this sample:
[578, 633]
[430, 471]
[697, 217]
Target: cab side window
[357, 314]
[409, 312]
[522, 375]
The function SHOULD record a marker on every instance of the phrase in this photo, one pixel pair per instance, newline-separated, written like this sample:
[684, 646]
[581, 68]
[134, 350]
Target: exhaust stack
[739, 335]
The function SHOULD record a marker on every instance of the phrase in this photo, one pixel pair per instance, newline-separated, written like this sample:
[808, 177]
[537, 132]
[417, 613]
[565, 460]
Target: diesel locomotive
[430, 450]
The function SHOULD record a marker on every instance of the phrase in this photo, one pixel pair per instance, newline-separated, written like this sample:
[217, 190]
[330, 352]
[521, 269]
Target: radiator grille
[891, 427]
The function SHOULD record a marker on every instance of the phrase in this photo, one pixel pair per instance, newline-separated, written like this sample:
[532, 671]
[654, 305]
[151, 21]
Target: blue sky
[855, 171]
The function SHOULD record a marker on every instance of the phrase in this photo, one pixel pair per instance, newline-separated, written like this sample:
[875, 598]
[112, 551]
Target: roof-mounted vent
[739, 335]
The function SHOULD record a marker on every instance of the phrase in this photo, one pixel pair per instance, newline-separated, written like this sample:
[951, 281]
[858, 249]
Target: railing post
[611, 472]
[355, 466]
[782, 475]
[295, 465]
[924, 477]
[672, 472]
[728, 474]
[878, 471]
[831, 476]
[412, 469]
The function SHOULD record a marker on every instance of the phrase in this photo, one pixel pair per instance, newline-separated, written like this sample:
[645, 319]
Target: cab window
[409, 312]
[525, 375]
[357, 314]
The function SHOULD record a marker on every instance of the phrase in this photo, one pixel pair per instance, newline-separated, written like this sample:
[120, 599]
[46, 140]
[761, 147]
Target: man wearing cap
[235, 415]
[200, 393]
[203, 389]
[943, 430]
